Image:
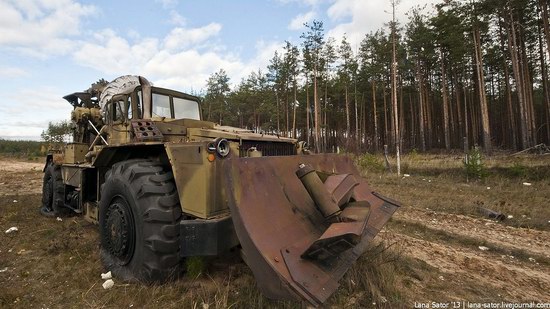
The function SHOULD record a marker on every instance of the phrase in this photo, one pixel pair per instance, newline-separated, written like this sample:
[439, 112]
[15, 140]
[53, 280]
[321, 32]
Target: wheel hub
[119, 231]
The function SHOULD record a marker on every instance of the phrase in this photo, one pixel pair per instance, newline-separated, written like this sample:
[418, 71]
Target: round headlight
[222, 147]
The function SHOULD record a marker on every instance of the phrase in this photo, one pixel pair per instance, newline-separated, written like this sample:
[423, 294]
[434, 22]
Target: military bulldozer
[163, 185]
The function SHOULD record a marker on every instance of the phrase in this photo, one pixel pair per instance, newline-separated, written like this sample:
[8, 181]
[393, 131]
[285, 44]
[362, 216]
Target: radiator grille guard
[267, 148]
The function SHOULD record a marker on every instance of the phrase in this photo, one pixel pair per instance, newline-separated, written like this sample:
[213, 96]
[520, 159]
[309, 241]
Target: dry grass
[438, 182]
[373, 279]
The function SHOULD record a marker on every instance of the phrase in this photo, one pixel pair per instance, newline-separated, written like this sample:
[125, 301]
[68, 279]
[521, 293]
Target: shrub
[413, 155]
[371, 163]
[25, 148]
[518, 170]
[474, 166]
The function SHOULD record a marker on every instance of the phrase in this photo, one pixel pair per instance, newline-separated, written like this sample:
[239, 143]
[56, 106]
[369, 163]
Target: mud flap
[294, 252]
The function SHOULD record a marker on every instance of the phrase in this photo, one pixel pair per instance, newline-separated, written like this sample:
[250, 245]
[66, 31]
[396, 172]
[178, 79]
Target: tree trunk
[458, 108]
[544, 8]
[428, 114]
[317, 111]
[385, 116]
[402, 128]
[445, 104]
[544, 83]
[412, 126]
[510, 109]
[347, 116]
[287, 117]
[420, 107]
[452, 120]
[325, 141]
[512, 47]
[278, 115]
[528, 89]
[466, 122]
[363, 122]
[375, 116]
[474, 118]
[295, 105]
[482, 94]
[394, 96]
[356, 116]
[307, 113]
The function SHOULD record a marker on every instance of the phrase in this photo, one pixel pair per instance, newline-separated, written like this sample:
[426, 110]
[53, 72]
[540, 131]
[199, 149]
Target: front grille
[268, 148]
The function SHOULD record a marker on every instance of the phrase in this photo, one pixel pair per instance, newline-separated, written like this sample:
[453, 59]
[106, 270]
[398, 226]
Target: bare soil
[20, 177]
[437, 248]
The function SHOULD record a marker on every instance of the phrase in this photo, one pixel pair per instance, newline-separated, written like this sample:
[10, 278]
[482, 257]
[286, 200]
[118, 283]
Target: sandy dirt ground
[20, 177]
[504, 263]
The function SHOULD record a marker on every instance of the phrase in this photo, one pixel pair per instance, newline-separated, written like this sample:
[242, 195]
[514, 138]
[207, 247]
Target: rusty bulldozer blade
[299, 239]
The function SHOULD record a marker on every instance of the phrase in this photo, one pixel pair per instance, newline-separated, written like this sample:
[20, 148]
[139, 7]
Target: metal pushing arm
[98, 134]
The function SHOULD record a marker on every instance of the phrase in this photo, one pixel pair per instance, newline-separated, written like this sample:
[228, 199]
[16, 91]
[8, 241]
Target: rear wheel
[139, 214]
[52, 192]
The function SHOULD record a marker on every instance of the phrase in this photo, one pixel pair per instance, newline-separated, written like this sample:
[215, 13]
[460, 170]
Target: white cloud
[175, 61]
[188, 69]
[264, 53]
[110, 53]
[179, 60]
[297, 23]
[167, 3]
[12, 72]
[356, 18]
[39, 27]
[176, 18]
[27, 111]
[180, 38]
[43, 96]
[302, 2]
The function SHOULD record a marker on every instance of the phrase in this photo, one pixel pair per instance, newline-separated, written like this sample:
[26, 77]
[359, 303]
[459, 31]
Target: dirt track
[532, 241]
[475, 254]
[49, 262]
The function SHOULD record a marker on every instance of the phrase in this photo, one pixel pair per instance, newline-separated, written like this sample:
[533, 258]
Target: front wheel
[52, 192]
[139, 215]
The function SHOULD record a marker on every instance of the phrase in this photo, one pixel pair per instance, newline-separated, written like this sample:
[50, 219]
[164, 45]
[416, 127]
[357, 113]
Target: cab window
[116, 112]
[139, 108]
[161, 105]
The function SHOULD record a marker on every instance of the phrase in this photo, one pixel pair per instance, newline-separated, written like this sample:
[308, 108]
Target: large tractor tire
[52, 192]
[139, 215]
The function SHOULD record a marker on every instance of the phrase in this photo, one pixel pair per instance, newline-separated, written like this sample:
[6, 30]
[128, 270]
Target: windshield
[182, 108]
[186, 109]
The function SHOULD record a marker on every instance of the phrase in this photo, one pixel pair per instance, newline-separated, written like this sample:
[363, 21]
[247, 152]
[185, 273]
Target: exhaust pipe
[317, 191]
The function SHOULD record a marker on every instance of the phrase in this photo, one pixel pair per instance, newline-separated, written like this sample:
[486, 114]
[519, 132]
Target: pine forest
[451, 76]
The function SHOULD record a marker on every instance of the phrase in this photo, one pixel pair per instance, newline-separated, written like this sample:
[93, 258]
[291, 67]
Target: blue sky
[50, 48]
